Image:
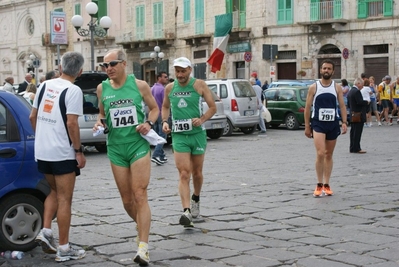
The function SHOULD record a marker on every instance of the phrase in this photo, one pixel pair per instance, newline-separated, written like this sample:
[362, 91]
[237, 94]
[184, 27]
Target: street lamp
[94, 29]
[34, 62]
[157, 55]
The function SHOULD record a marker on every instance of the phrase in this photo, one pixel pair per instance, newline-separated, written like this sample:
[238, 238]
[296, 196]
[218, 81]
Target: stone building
[281, 39]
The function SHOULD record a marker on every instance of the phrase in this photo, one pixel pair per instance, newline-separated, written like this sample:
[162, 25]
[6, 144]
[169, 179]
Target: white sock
[143, 245]
[47, 231]
[64, 247]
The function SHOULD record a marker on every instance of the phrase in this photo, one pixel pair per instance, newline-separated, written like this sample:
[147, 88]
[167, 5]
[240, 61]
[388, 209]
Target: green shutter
[140, 22]
[362, 9]
[158, 19]
[186, 11]
[229, 6]
[337, 9]
[77, 9]
[102, 8]
[314, 10]
[388, 12]
[284, 12]
[243, 13]
[199, 17]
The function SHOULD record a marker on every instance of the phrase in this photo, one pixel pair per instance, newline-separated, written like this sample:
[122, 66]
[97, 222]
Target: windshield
[303, 94]
[243, 89]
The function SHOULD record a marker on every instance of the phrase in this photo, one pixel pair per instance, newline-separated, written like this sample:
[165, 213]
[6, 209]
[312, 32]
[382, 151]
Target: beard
[326, 76]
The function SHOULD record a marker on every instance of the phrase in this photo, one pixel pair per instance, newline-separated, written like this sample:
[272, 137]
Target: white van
[240, 104]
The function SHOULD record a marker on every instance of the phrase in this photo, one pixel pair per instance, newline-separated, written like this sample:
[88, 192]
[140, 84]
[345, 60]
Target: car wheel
[214, 134]
[228, 129]
[248, 130]
[291, 122]
[21, 220]
[101, 148]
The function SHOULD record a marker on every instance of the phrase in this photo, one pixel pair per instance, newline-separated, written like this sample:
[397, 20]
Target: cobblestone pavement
[257, 208]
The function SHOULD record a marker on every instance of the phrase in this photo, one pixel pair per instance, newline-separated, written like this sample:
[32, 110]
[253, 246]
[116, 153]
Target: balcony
[239, 29]
[326, 12]
[136, 40]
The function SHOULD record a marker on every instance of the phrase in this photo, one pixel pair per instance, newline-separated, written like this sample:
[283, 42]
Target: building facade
[280, 39]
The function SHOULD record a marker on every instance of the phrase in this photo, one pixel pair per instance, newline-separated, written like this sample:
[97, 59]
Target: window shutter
[229, 6]
[314, 10]
[102, 9]
[77, 9]
[388, 8]
[138, 70]
[186, 11]
[337, 9]
[362, 9]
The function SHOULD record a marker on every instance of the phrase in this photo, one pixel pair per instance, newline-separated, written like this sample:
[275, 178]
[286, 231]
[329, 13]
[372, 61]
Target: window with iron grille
[286, 54]
[375, 49]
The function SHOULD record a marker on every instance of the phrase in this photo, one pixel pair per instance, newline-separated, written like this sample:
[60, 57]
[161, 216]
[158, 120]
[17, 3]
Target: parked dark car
[22, 188]
[286, 105]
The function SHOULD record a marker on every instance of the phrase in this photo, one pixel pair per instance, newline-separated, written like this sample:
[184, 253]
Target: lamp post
[157, 55]
[94, 29]
[35, 63]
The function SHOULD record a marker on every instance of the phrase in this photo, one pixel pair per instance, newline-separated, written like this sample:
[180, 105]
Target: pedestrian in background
[8, 86]
[357, 104]
[373, 102]
[158, 91]
[189, 140]
[323, 124]
[22, 86]
[30, 93]
[121, 104]
[385, 97]
[258, 91]
[366, 94]
[255, 75]
[59, 154]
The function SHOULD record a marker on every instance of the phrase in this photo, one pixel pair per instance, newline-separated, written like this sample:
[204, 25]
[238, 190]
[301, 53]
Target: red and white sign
[272, 72]
[345, 53]
[247, 56]
[58, 28]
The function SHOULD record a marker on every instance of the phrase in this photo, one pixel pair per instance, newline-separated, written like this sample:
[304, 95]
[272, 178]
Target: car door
[270, 96]
[12, 148]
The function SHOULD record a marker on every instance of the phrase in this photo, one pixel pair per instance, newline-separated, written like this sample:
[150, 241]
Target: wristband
[80, 150]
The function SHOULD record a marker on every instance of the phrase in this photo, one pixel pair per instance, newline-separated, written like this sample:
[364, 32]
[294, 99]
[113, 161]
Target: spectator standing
[22, 86]
[189, 138]
[323, 125]
[373, 102]
[345, 90]
[385, 97]
[122, 98]
[8, 86]
[258, 91]
[366, 94]
[255, 75]
[58, 151]
[357, 104]
[265, 85]
[158, 91]
[30, 93]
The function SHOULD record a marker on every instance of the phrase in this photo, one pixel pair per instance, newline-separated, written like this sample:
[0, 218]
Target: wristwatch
[80, 150]
[345, 122]
[150, 123]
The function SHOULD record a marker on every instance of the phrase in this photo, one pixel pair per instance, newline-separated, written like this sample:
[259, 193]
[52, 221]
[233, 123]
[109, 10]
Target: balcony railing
[376, 9]
[326, 10]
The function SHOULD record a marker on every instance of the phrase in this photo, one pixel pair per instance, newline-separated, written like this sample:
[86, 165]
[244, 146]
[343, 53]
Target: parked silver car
[88, 82]
[240, 104]
[215, 126]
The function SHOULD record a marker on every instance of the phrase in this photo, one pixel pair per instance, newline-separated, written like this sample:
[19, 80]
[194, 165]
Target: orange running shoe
[318, 192]
[327, 190]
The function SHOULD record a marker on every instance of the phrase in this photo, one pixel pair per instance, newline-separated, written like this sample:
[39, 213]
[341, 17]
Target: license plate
[248, 112]
[216, 125]
[90, 117]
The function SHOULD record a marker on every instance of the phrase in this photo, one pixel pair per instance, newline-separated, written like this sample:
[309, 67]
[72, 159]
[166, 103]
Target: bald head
[28, 77]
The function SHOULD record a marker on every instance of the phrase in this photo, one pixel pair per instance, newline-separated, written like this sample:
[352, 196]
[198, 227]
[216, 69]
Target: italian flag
[223, 26]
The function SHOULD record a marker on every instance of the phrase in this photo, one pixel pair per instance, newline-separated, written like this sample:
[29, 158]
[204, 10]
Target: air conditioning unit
[315, 28]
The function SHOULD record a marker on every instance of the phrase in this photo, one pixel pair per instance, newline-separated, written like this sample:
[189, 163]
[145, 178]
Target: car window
[303, 93]
[213, 88]
[3, 123]
[270, 94]
[286, 95]
[214, 96]
[243, 89]
[90, 100]
[223, 91]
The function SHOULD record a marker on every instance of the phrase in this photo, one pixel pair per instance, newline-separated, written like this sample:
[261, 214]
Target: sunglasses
[112, 63]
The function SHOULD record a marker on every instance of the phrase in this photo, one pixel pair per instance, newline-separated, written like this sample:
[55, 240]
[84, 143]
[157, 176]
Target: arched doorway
[333, 53]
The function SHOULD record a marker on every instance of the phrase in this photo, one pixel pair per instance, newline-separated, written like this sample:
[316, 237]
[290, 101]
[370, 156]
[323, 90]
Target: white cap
[182, 62]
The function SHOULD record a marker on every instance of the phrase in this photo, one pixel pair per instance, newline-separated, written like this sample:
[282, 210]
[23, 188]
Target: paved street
[257, 208]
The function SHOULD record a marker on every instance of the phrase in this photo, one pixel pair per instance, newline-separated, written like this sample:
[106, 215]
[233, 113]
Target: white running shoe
[143, 256]
[70, 254]
[47, 242]
[195, 208]
[186, 219]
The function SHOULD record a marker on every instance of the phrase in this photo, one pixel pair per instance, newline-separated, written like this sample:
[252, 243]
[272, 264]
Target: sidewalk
[257, 208]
